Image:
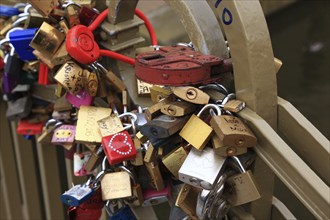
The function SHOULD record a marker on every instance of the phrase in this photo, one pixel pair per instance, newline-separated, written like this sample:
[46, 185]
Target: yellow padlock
[196, 132]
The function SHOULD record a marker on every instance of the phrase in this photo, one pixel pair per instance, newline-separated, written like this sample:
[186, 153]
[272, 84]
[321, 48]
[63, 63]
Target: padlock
[155, 174]
[191, 94]
[95, 201]
[26, 128]
[174, 160]
[8, 24]
[155, 110]
[70, 76]
[19, 108]
[95, 159]
[48, 131]
[232, 131]
[64, 134]
[61, 56]
[242, 187]
[91, 82]
[20, 40]
[80, 160]
[110, 125]
[35, 20]
[216, 91]
[178, 108]
[62, 104]
[150, 155]
[138, 160]
[143, 88]
[163, 126]
[187, 200]
[87, 15]
[72, 16]
[167, 143]
[87, 130]
[123, 213]
[202, 168]
[11, 74]
[116, 185]
[234, 105]
[158, 93]
[44, 7]
[77, 213]
[47, 39]
[81, 98]
[77, 195]
[196, 132]
[156, 197]
[44, 92]
[137, 196]
[223, 150]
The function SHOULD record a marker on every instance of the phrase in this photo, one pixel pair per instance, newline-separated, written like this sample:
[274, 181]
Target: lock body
[191, 94]
[222, 150]
[201, 169]
[155, 197]
[81, 98]
[76, 195]
[20, 39]
[64, 134]
[174, 160]
[116, 185]
[187, 200]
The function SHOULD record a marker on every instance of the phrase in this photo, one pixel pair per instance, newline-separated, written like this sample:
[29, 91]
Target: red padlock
[77, 213]
[178, 66]
[26, 128]
[118, 147]
[94, 202]
[81, 45]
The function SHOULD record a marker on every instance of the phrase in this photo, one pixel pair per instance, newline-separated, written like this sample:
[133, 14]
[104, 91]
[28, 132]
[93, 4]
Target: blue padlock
[124, 213]
[7, 11]
[20, 39]
[77, 195]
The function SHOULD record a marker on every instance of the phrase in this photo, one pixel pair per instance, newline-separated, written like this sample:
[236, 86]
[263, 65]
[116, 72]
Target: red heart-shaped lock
[81, 45]
[118, 147]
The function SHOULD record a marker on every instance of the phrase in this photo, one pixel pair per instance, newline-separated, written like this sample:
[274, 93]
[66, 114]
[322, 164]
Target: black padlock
[11, 74]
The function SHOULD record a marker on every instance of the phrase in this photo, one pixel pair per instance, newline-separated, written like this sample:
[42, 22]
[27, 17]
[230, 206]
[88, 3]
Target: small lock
[77, 194]
[47, 39]
[187, 200]
[116, 185]
[242, 187]
[201, 169]
[87, 130]
[143, 88]
[163, 126]
[155, 110]
[157, 93]
[232, 131]
[110, 125]
[223, 150]
[81, 98]
[196, 132]
[64, 134]
[174, 160]
[155, 174]
[158, 196]
[178, 108]
[70, 76]
[234, 105]
[191, 94]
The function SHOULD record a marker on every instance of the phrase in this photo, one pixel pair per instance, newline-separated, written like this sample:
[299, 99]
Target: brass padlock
[155, 174]
[48, 131]
[155, 110]
[72, 16]
[70, 76]
[187, 200]
[191, 94]
[95, 159]
[116, 185]
[44, 7]
[223, 150]
[158, 93]
[47, 39]
[242, 187]
[138, 160]
[178, 108]
[232, 131]
[35, 20]
[61, 56]
[87, 127]
[110, 125]
[150, 155]
[143, 88]
[196, 132]
[163, 126]
[174, 160]
[234, 105]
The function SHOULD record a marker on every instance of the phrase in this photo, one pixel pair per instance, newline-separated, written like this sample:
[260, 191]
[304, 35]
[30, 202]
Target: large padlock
[242, 187]
[232, 131]
[196, 132]
[163, 126]
[202, 168]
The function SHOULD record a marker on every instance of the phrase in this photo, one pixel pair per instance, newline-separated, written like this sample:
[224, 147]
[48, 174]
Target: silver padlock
[202, 168]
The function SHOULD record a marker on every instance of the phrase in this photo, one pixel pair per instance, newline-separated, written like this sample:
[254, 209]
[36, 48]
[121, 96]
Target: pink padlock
[79, 163]
[154, 197]
[64, 134]
[82, 98]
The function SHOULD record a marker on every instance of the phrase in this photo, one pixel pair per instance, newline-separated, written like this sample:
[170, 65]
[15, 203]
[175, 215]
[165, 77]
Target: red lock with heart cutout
[118, 147]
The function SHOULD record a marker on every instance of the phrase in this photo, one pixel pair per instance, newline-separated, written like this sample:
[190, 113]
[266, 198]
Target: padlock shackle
[208, 106]
[241, 167]
[215, 86]
[130, 173]
[227, 98]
